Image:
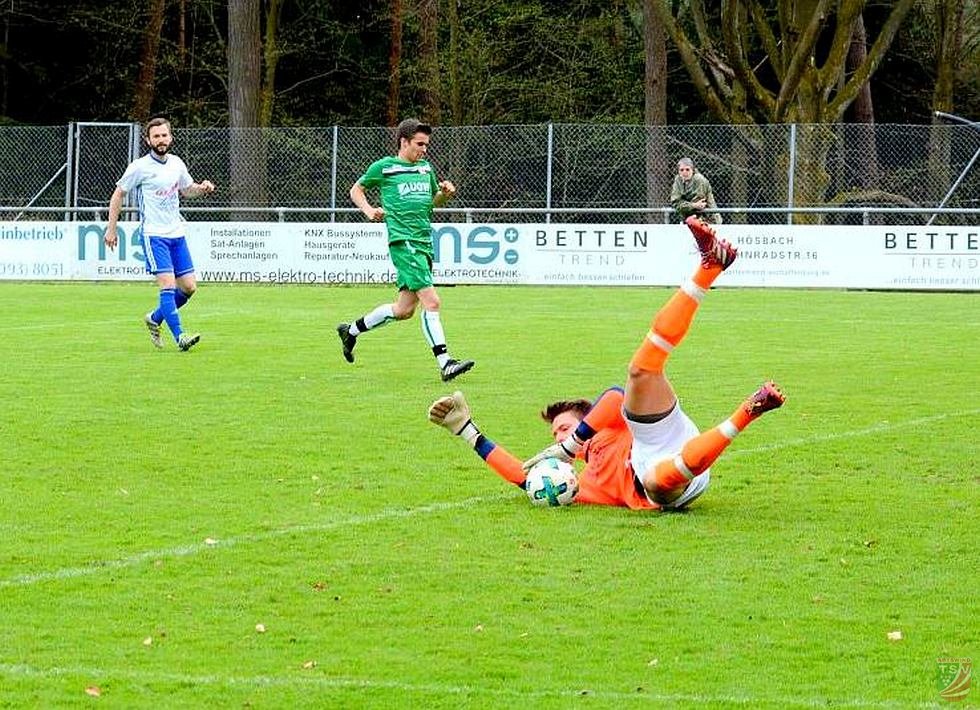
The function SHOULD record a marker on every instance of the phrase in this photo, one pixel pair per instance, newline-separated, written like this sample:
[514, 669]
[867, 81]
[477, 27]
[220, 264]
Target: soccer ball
[551, 482]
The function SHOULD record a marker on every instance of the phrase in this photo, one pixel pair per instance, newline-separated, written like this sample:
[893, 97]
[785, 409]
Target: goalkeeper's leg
[648, 391]
[670, 477]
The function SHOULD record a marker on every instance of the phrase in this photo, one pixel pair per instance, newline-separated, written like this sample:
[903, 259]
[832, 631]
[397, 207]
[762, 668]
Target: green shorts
[413, 264]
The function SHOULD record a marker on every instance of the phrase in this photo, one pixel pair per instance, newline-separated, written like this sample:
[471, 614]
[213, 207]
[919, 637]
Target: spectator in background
[691, 193]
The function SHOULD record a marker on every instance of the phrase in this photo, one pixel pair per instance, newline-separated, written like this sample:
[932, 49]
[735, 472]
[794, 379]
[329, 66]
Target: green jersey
[407, 190]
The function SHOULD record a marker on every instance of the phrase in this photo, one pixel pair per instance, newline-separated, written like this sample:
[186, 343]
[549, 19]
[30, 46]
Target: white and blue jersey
[156, 185]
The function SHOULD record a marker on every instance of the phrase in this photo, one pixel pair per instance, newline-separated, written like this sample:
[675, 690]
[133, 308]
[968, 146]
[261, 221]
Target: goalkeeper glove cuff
[469, 432]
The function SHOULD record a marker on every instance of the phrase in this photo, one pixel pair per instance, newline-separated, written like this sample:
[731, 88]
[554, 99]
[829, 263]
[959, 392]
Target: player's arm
[358, 195]
[115, 208]
[196, 189]
[453, 414]
[606, 413]
[445, 193]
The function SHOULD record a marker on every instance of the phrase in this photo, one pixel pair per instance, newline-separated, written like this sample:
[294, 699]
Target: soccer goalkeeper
[640, 449]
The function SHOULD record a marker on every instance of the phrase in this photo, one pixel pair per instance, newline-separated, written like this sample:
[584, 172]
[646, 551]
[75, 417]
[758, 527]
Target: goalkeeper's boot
[154, 328]
[714, 251]
[766, 398]
[185, 342]
[454, 368]
[347, 340]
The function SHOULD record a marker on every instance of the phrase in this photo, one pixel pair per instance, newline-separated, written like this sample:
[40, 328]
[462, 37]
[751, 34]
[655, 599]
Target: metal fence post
[69, 167]
[792, 172]
[333, 174]
[551, 147]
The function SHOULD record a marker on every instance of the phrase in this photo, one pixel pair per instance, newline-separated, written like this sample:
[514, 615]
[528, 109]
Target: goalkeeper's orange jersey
[606, 479]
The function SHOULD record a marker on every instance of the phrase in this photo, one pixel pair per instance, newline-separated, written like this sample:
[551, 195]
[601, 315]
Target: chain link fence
[834, 173]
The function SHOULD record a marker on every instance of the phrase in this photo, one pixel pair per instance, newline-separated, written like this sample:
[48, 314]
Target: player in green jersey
[409, 190]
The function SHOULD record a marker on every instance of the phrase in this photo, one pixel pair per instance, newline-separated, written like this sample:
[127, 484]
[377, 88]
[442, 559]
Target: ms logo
[476, 244]
[91, 239]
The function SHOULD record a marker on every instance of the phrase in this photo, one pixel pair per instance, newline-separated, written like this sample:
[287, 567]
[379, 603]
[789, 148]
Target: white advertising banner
[878, 257]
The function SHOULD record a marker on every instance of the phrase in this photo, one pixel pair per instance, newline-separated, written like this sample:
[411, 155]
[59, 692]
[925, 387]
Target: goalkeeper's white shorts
[664, 439]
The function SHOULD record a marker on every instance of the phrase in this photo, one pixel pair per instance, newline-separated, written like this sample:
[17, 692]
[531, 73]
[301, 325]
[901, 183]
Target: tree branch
[802, 58]
[690, 59]
[848, 12]
[836, 107]
[766, 37]
[736, 55]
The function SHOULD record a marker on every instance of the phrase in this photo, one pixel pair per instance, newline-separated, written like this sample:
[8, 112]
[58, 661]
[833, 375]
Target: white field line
[311, 680]
[867, 431]
[195, 548]
[134, 321]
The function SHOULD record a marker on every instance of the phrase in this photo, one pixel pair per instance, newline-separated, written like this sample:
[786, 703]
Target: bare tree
[805, 45]
[862, 154]
[947, 24]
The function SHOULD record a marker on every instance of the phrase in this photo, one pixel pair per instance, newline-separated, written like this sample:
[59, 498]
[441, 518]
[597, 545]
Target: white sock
[382, 315]
[432, 330]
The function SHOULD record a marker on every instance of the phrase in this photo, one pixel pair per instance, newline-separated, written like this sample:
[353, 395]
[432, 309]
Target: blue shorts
[167, 255]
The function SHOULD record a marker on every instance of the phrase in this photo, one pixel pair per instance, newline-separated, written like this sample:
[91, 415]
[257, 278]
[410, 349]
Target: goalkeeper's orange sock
[673, 475]
[673, 320]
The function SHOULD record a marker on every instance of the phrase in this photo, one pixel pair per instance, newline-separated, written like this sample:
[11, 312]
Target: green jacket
[685, 192]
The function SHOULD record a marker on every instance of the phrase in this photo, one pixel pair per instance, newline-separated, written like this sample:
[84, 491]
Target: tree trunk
[949, 51]
[182, 34]
[658, 163]
[247, 152]
[429, 59]
[861, 152]
[395, 62]
[271, 53]
[147, 79]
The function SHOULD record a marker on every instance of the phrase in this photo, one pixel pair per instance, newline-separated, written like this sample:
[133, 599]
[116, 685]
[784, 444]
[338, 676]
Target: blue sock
[180, 298]
[168, 311]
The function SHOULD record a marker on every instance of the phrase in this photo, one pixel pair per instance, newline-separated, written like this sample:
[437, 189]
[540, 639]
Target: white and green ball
[551, 482]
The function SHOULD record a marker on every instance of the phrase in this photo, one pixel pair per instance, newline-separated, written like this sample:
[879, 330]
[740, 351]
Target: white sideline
[311, 680]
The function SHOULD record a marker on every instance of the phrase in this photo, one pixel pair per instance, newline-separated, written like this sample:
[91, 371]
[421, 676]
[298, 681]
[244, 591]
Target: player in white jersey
[158, 180]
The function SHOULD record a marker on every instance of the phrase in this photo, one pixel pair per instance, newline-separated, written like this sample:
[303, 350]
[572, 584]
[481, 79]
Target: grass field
[157, 506]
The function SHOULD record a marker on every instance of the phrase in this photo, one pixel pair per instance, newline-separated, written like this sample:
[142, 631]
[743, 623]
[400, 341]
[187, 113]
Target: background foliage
[499, 61]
